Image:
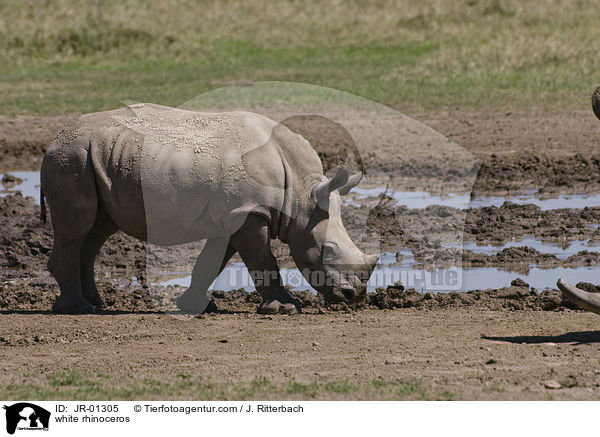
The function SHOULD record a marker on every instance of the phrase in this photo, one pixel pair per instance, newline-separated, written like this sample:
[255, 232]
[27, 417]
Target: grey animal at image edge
[585, 299]
[170, 176]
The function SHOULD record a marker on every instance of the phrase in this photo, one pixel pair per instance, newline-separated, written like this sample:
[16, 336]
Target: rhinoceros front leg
[209, 264]
[253, 243]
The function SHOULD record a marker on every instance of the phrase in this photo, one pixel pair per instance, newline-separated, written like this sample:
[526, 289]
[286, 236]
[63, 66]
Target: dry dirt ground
[456, 353]
[509, 343]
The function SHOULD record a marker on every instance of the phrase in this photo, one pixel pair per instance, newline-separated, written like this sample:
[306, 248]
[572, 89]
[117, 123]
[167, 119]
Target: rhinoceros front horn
[342, 181]
[585, 299]
[596, 102]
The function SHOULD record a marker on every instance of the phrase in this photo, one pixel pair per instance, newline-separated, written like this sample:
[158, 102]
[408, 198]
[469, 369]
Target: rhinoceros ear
[320, 192]
[353, 181]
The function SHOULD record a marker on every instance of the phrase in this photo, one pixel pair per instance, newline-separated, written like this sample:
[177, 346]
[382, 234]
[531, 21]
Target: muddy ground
[509, 343]
[553, 152]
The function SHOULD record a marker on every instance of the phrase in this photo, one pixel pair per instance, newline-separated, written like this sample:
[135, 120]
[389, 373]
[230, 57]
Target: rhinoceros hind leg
[253, 243]
[209, 264]
[103, 228]
[64, 264]
[70, 189]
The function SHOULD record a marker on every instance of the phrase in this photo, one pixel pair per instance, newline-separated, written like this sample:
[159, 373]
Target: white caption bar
[246, 418]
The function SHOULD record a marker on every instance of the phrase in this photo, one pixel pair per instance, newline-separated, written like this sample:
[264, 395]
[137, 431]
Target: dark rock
[519, 283]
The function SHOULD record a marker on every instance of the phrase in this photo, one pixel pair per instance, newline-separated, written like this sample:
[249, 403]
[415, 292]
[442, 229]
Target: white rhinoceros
[171, 176]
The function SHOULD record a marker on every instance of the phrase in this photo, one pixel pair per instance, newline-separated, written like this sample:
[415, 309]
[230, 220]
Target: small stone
[397, 286]
[569, 382]
[551, 384]
[491, 361]
[519, 283]
[315, 343]
[9, 179]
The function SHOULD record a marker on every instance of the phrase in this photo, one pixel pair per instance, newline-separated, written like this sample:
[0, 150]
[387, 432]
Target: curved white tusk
[585, 299]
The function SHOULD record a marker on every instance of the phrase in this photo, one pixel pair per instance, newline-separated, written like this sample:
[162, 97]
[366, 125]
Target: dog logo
[26, 416]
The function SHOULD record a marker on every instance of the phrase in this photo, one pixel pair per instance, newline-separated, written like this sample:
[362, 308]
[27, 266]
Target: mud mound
[548, 174]
[24, 241]
[26, 294]
[529, 256]
[115, 299]
[519, 296]
[491, 224]
[551, 151]
[514, 221]
[588, 287]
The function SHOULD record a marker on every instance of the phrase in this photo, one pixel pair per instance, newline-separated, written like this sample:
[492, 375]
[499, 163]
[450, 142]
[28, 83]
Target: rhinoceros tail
[43, 207]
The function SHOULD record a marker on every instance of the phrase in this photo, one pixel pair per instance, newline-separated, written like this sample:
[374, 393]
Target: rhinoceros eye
[330, 251]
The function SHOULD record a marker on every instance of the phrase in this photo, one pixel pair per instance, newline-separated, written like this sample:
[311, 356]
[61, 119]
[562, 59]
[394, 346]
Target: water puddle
[422, 199]
[477, 278]
[410, 199]
[388, 272]
[563, 251]
[576, 201]
[236, 276]
[29, 186]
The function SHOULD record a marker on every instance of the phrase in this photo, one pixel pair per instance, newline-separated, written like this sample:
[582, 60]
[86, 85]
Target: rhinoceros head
[320, 245]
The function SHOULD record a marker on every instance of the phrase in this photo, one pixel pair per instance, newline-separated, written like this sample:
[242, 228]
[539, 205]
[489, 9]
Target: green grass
[65, 56]
[72, 385]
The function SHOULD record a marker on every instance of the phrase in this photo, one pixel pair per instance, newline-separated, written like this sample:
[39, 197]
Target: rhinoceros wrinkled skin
[171, 176]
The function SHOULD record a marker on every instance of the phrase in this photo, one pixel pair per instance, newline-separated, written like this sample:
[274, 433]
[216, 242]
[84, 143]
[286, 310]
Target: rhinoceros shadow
[574, 338]
[7, 312]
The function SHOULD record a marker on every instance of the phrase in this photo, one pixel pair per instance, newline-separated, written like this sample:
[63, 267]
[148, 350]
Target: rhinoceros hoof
[75, 306]
[95, 301]
[193, 306]
[276, 307]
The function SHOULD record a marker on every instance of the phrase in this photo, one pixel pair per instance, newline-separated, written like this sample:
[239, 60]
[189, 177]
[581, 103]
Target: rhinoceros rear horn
[342, 181]
[596, 102]
[585, 299]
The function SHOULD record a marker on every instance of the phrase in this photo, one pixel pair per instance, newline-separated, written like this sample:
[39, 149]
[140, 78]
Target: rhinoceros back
[183, 171]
